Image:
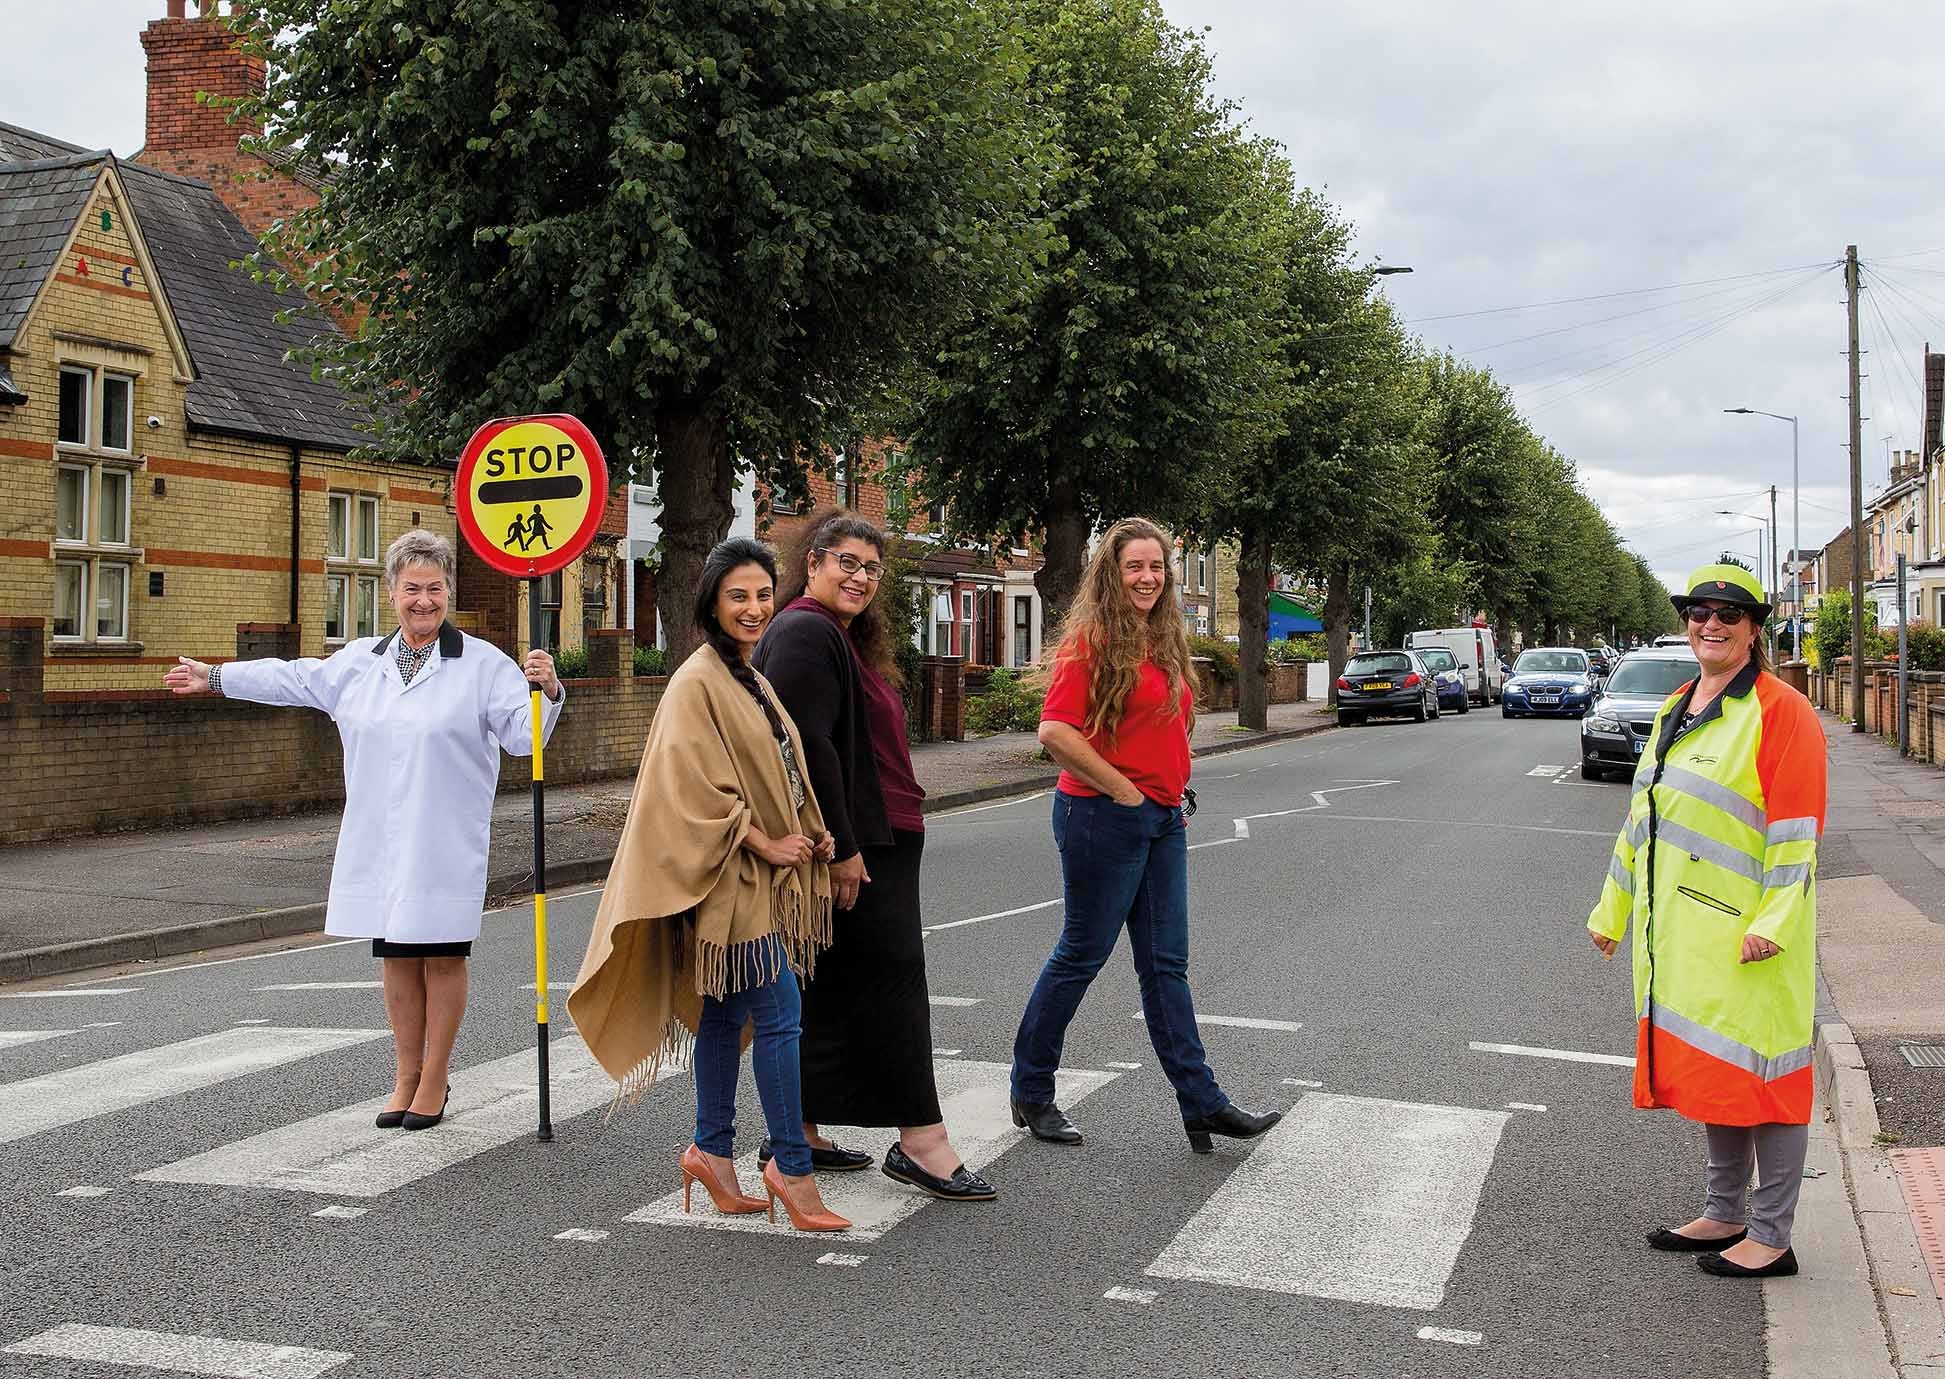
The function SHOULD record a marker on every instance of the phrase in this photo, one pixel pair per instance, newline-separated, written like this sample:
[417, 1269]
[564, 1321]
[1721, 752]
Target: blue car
[1446, 674]
[1550, 681]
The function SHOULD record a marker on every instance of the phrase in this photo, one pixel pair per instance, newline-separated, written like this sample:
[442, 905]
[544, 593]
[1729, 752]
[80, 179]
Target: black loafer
[963, 1186]
[1047, 1122]
[1231, 1121]
[836, 1159]
[1782, 1266]
[1661, 1238]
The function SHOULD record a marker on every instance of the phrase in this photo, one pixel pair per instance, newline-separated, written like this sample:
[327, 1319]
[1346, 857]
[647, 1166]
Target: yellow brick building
[166, 475]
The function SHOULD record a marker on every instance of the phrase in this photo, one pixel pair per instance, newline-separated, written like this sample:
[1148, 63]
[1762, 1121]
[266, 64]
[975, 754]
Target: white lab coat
[421, 762]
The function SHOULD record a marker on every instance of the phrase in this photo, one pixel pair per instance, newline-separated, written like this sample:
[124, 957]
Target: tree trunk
[1065, 553]
[1503, 632]
[696, 480]
[1253, 630]
[1337, 623]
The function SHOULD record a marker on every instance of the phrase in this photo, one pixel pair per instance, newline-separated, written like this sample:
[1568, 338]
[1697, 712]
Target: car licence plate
[1546, 699]
[1377, 684]
[1638, 746]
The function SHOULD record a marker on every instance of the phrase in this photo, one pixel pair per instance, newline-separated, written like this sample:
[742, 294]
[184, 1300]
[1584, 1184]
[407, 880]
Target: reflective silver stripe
[1719, 1045]
[1794, 874]
[1714, 793]
[1698, 845]
[1638, 832]
[1791, 831]
[1620, 875]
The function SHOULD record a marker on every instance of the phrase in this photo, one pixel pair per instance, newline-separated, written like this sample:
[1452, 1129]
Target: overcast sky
[1514, 154]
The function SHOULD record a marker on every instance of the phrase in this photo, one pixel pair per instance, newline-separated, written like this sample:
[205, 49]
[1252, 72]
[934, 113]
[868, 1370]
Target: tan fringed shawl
[688, 910]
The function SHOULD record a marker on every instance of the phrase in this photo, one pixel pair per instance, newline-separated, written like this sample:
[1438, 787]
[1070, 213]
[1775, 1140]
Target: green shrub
[1006, 706]
[1927, 643]
[571, 663]
[1223, 666]
[1293, 649]
[651, 660]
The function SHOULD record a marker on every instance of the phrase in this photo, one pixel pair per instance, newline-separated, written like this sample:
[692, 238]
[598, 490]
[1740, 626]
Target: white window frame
[367, 514]
[1022, 624]
[128, 596]
[363, 628]
[101, 508]
[343, 610]
[335, 501]
[82, 607]
[87, 409]
[87, 504]
[128, 414]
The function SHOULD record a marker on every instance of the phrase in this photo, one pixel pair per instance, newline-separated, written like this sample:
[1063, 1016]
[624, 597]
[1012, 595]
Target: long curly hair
[1105, 629]
[826, 528]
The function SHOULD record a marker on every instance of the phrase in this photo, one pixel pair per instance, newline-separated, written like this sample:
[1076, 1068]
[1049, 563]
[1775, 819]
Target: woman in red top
[1117, 720]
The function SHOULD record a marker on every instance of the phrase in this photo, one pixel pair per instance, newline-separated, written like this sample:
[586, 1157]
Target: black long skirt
[867, 1045]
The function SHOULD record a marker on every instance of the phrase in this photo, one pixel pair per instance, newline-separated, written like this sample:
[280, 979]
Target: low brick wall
[93, 761]
[1289, 684]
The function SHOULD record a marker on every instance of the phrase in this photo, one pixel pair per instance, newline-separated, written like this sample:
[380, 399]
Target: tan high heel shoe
[731, 1200]
[801, 1202]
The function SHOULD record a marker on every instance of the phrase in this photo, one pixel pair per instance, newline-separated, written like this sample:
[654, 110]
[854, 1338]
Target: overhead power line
[1630, 292]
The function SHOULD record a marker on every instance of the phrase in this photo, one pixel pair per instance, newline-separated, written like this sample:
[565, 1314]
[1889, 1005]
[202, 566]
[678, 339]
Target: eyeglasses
[851, 565]
[1699, 614]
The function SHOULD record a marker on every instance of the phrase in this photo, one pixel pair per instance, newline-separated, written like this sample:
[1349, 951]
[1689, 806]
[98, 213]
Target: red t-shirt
[1152, 747]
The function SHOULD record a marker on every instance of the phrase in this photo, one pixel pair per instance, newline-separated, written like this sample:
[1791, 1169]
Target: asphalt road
[1415, 890]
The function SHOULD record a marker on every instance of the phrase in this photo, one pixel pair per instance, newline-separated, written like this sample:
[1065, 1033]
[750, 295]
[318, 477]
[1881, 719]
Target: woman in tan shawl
[719, 897]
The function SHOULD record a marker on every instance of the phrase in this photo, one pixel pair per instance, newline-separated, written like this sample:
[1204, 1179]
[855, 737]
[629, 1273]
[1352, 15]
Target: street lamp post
[1760, 522]
[1796, 524]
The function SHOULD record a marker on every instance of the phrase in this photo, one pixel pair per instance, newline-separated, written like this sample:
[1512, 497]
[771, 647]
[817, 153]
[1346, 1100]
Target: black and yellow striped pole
[540, 869]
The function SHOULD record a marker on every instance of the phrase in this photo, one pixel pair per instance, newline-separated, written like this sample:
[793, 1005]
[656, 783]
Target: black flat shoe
[389, 1120]
[836, 1159]
[412, 1120]
[963, 1186]
[1661, 1238]
[1047, 1122]
[1232, 1121]
[1782, 1266]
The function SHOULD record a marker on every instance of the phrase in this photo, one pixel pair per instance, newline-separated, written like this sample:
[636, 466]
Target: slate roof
[228, 319]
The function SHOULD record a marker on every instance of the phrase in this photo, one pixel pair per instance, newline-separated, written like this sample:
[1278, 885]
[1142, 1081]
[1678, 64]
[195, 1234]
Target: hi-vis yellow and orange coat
[1721, 841]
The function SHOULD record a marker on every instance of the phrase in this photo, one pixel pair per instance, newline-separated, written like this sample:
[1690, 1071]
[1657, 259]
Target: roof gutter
[296, 523]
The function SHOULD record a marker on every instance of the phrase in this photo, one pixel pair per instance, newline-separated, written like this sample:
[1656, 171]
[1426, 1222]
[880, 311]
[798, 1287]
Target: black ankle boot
[1231, 1121]
[1047, 1122]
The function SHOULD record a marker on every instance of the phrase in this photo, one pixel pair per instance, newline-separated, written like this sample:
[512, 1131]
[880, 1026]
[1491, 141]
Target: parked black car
[1615, 731]
[1386, 682]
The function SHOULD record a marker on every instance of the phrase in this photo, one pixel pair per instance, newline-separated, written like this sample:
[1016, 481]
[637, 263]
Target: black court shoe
[389, 1120]
[1231, 1121]
[1661, 1238]
[414, 1121]
[1782, 1266]
[836, 1159]
[1047, 1122]
[963, 1186]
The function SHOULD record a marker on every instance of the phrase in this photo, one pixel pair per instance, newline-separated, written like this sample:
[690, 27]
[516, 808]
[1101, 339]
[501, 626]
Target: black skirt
[867, 1045]
[385, 948]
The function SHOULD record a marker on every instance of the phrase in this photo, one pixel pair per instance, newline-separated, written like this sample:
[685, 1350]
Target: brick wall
[92, 761]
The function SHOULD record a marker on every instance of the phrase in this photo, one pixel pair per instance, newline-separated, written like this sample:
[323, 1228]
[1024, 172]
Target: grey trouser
[1776, 1152]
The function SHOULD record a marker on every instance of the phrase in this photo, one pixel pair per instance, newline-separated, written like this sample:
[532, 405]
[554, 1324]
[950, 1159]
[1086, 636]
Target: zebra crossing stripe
[974, 1098]
[342, 1154]
[1387, 1190]
[12, 1038]
[81, 1093]
[121, 1345]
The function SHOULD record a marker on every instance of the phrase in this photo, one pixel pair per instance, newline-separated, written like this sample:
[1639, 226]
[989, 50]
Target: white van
[1476, 652]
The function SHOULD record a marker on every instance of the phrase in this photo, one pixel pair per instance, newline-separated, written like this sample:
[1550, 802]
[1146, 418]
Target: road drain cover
[1923, 1055]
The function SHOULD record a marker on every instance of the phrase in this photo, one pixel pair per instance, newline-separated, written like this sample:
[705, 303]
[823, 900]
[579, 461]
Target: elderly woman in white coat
[423, 713]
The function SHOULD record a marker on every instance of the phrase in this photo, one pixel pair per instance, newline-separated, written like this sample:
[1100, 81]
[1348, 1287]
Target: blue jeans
[1120, 867]
[777, 1009]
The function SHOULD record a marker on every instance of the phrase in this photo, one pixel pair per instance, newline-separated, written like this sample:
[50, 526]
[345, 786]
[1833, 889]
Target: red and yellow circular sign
[530, 493]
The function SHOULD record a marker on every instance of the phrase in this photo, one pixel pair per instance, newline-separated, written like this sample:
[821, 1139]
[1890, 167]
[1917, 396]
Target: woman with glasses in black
[866, 1055]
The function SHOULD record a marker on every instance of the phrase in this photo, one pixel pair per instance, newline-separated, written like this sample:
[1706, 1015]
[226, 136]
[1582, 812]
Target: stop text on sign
[531, 491]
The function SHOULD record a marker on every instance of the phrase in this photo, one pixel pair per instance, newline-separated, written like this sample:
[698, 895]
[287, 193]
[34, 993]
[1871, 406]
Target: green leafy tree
[1131, 359]
[714, 232]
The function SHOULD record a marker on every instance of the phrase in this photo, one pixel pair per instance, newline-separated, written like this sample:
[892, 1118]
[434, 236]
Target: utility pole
[1856, 500]
[1775, 570]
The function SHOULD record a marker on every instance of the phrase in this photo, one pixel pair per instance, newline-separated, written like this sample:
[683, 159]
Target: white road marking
[1144, 1296]
[101, 1024]
[842, 1261]
[342, 1154]
[551, 986]
[1388, 1192]
[1125, 1067]
[1446, 1333]
[341, 1213]
[582, 1233]
[324, 986]
[1548, 771]
[252, 957]
[956, 1001]
[9, 1038]
[253, 1022]
[81, 1093]
[122, 1345]
[1242, 1022]
[947, 1053]
[1242, 828]
[982, 808]
[997, 914]
[1212, 843]
[1524, 1106]
[1565, 1055]
[68, 991]
[974, 1096]
[1299, 1082]
[1318, 800]
[84, 1190]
